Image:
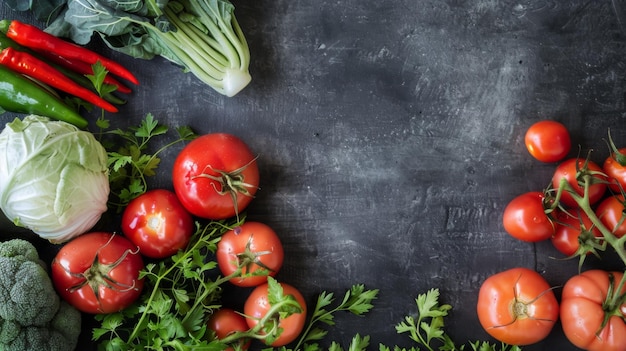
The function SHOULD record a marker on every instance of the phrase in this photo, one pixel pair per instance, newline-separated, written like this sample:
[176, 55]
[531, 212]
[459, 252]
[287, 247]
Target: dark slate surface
[390, 137]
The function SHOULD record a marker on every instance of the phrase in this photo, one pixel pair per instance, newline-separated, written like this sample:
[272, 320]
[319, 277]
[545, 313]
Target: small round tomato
[612, 213]
[615, 170]
[225, 322]
[215, 176]
[517, 307]
[157, 223]
[255, 249]
[548, 141]
[98, 272]
[525, 219]
[575, 234]
[574, 171]
[590, 317]
[258, 305]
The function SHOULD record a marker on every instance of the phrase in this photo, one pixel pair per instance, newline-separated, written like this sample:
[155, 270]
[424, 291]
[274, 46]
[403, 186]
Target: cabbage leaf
[53, 177]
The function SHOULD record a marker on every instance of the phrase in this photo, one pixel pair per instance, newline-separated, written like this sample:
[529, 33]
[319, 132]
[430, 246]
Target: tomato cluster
[214, 177]
[581, 212]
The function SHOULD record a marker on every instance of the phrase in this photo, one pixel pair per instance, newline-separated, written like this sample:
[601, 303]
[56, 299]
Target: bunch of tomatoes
[582, 212]
[214, 177]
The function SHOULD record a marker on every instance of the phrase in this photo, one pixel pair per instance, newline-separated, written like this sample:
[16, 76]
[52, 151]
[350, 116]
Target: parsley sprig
[131, 163]
[427, 328]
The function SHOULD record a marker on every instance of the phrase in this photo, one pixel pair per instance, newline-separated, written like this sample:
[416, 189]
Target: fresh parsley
[132, 163]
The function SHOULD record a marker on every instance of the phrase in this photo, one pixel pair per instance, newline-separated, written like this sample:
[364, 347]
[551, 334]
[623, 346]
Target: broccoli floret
[32, 316]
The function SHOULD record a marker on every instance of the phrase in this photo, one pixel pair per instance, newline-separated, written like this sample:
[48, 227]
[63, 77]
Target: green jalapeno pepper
[22, 95]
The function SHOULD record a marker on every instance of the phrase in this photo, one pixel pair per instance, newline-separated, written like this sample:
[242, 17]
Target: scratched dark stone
[390, 138]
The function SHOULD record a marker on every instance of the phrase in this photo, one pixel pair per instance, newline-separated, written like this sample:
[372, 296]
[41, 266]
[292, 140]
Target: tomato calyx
[614, 303]
[248, 258]
[231, 183]
[619, 157]
[99, 274]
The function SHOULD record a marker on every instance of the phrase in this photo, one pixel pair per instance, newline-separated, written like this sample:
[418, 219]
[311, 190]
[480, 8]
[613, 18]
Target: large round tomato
[252, 247]
[590, 319]
[612, 214]
[615, 170]
[573, 171]
[575, 234]
[548, 141]
[98, 272]
[157, 223]
[524, 218]
[517, 306]
[215, 176]
[225, 322]
[258, 305]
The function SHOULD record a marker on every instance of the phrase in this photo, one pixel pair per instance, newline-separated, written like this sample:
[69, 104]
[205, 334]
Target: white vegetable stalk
[53, 177]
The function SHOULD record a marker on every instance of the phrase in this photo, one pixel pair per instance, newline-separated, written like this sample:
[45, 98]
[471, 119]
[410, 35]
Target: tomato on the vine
[215, 176]
[98, 272]
[612, 214]
[517, 306]
[593, 311]
[615, 169]
[255, 249]
[548, 141]
[157, 223]
[225, 322]
[575, 234]
[573, 170]
[258, 305]
[525, 219]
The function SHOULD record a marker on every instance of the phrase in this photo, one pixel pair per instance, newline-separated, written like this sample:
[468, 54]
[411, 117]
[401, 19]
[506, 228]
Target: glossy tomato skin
[517, 306]
[568, 170]
[615, 172]
[257, 306]
[157, 223]
[610, 212]
[256, 242]
[200, 172]
[569, 232]
[548, 141]
[582, 312]
[77, 257]
[525, 219]
[226, 321]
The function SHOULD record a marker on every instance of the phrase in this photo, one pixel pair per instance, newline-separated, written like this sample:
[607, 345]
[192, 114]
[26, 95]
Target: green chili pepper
[22, 95]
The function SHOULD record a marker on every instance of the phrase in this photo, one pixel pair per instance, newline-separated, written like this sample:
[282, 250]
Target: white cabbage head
[53, 177]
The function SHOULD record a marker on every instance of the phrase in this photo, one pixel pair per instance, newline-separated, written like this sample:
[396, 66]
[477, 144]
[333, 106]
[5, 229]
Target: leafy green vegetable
[32, 316]
[44, 10]
[54, 177]
[203, 36]
[131, 163]
[427, 329]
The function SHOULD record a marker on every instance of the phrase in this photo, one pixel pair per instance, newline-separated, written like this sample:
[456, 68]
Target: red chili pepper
[85, 68]
[31, 66]
[36, 39]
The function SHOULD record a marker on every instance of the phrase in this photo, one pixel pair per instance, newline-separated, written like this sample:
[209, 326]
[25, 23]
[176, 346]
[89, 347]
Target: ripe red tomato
[157, 223]
[253, 245]
[517, 307]
[525, 219]
[98, 272]
[215, 176]
[585, 306]
[570, 234]
[612, 214]
[615, 171]
[226, 321]
[548, 141]
[258, 305]
[572, 170]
